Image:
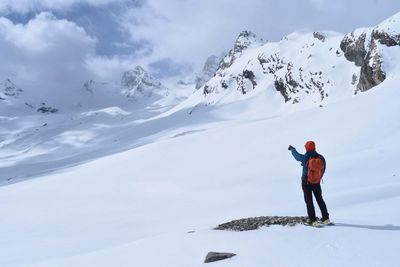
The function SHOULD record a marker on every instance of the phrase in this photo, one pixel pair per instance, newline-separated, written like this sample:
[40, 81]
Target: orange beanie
[310, 146]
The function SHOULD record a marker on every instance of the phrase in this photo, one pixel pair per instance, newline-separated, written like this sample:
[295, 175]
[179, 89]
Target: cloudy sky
[75, 40]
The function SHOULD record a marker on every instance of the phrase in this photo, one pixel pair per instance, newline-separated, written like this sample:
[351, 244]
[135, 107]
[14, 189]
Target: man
[311, 187]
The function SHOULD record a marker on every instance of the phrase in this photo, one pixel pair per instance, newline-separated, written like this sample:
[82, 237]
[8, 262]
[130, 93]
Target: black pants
[308, 190]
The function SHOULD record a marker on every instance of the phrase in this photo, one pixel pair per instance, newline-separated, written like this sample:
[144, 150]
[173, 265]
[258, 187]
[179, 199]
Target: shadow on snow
[387, 227]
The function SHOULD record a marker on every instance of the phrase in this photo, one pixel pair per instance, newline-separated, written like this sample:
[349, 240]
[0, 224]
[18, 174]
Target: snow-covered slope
[37, 144]
[191, 168]
[123, 209]
[103, 118]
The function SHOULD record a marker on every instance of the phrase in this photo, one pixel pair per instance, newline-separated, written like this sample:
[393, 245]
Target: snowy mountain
[138, 83]
[314, 68]
[301, 66]
[126, 170]
[137, 89]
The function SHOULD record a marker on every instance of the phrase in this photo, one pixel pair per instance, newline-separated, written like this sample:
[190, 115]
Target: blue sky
[173, 38]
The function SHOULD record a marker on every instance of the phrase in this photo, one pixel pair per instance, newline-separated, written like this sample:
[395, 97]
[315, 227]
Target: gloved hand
[290, 147]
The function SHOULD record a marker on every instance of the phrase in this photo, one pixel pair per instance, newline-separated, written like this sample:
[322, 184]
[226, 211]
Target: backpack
[315, 170]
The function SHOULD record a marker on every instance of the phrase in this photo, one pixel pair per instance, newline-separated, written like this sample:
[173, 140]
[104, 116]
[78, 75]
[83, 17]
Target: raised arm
[297, 156]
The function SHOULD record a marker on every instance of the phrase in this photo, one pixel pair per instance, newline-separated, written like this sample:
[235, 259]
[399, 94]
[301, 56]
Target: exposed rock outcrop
[371, 73]
[319, 36]
[289, 84]
[217, 256]
[46, 109]
[257, 222]
[385, 38]
[362, 48]
[353, 47]
[246, 81]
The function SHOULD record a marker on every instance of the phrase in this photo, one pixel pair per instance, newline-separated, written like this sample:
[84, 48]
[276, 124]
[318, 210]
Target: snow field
[136, 207]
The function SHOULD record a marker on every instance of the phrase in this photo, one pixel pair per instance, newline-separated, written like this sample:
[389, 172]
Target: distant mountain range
[313, 68]
[135, 88]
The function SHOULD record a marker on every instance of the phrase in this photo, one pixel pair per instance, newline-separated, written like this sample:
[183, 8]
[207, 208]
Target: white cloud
[25, 6]
[110, 68]
[45, 55]
[43, 34]
[189, 31]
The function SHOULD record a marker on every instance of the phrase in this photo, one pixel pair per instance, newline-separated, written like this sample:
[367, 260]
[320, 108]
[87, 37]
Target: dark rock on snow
[365, 55]
[257, 222]
[319, 36]
[371, 73]
[385, 38]
[217, 256]
[47, 110]
[353, 48]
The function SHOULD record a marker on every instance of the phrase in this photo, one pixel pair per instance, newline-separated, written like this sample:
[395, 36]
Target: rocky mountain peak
[138, 82]
[243, 42]
[132, 77]
[362, 48]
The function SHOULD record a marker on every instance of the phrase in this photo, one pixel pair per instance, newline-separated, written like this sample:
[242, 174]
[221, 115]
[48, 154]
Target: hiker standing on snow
[314, 166]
